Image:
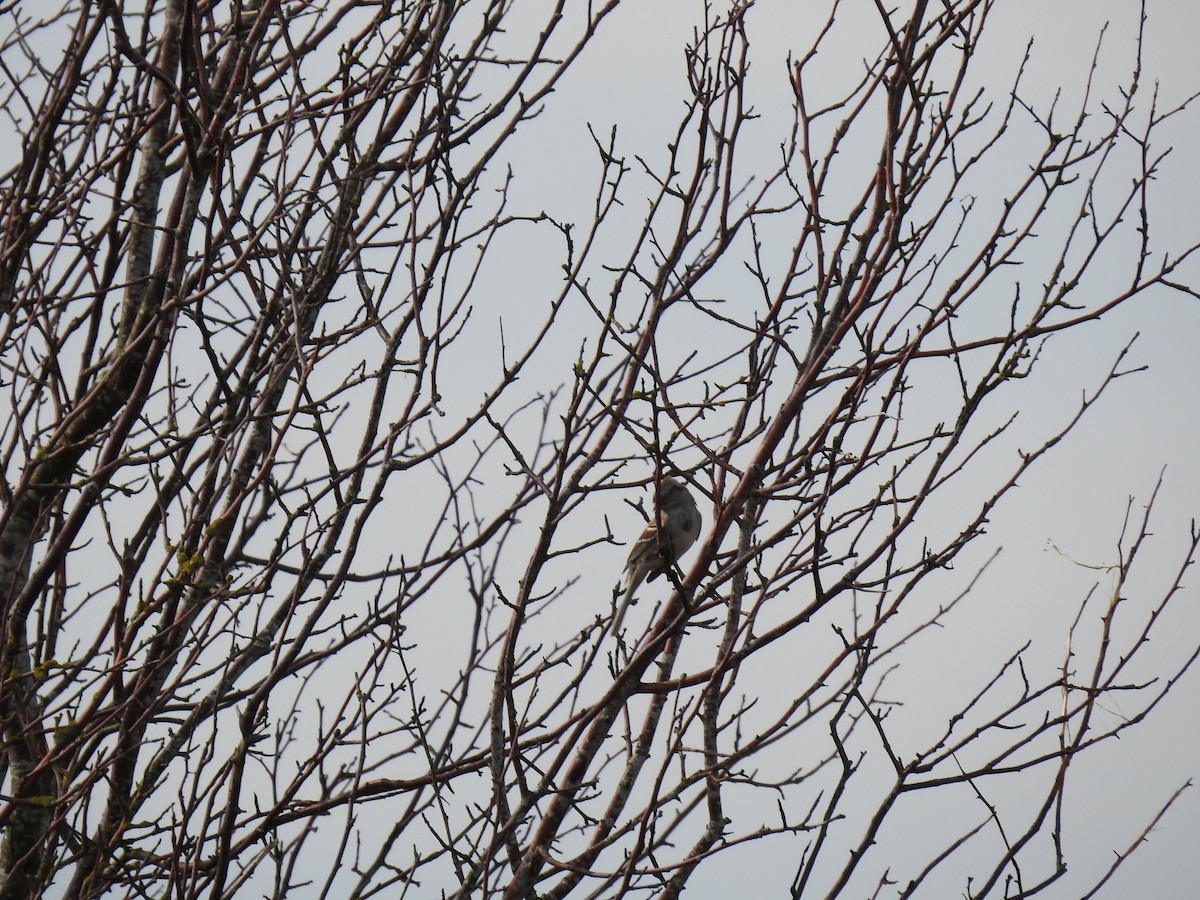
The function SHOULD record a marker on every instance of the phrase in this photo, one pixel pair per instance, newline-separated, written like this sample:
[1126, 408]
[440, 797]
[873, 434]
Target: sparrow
[674, 528]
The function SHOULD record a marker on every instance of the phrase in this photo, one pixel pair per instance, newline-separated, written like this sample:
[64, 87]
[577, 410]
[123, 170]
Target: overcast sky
[1058, 533]
[1061, 528]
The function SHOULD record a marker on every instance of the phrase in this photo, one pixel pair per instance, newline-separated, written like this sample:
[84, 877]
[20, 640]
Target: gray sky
[1058, 533]
[1060, 529]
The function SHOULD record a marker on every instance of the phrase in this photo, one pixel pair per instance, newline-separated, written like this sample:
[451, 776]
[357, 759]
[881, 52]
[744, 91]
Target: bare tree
[313, 464]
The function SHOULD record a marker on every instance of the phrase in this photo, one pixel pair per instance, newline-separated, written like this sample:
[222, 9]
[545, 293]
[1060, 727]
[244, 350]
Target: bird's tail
[632, 584]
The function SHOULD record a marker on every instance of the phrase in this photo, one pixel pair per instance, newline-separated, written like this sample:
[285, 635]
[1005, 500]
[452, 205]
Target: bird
[674, 529]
